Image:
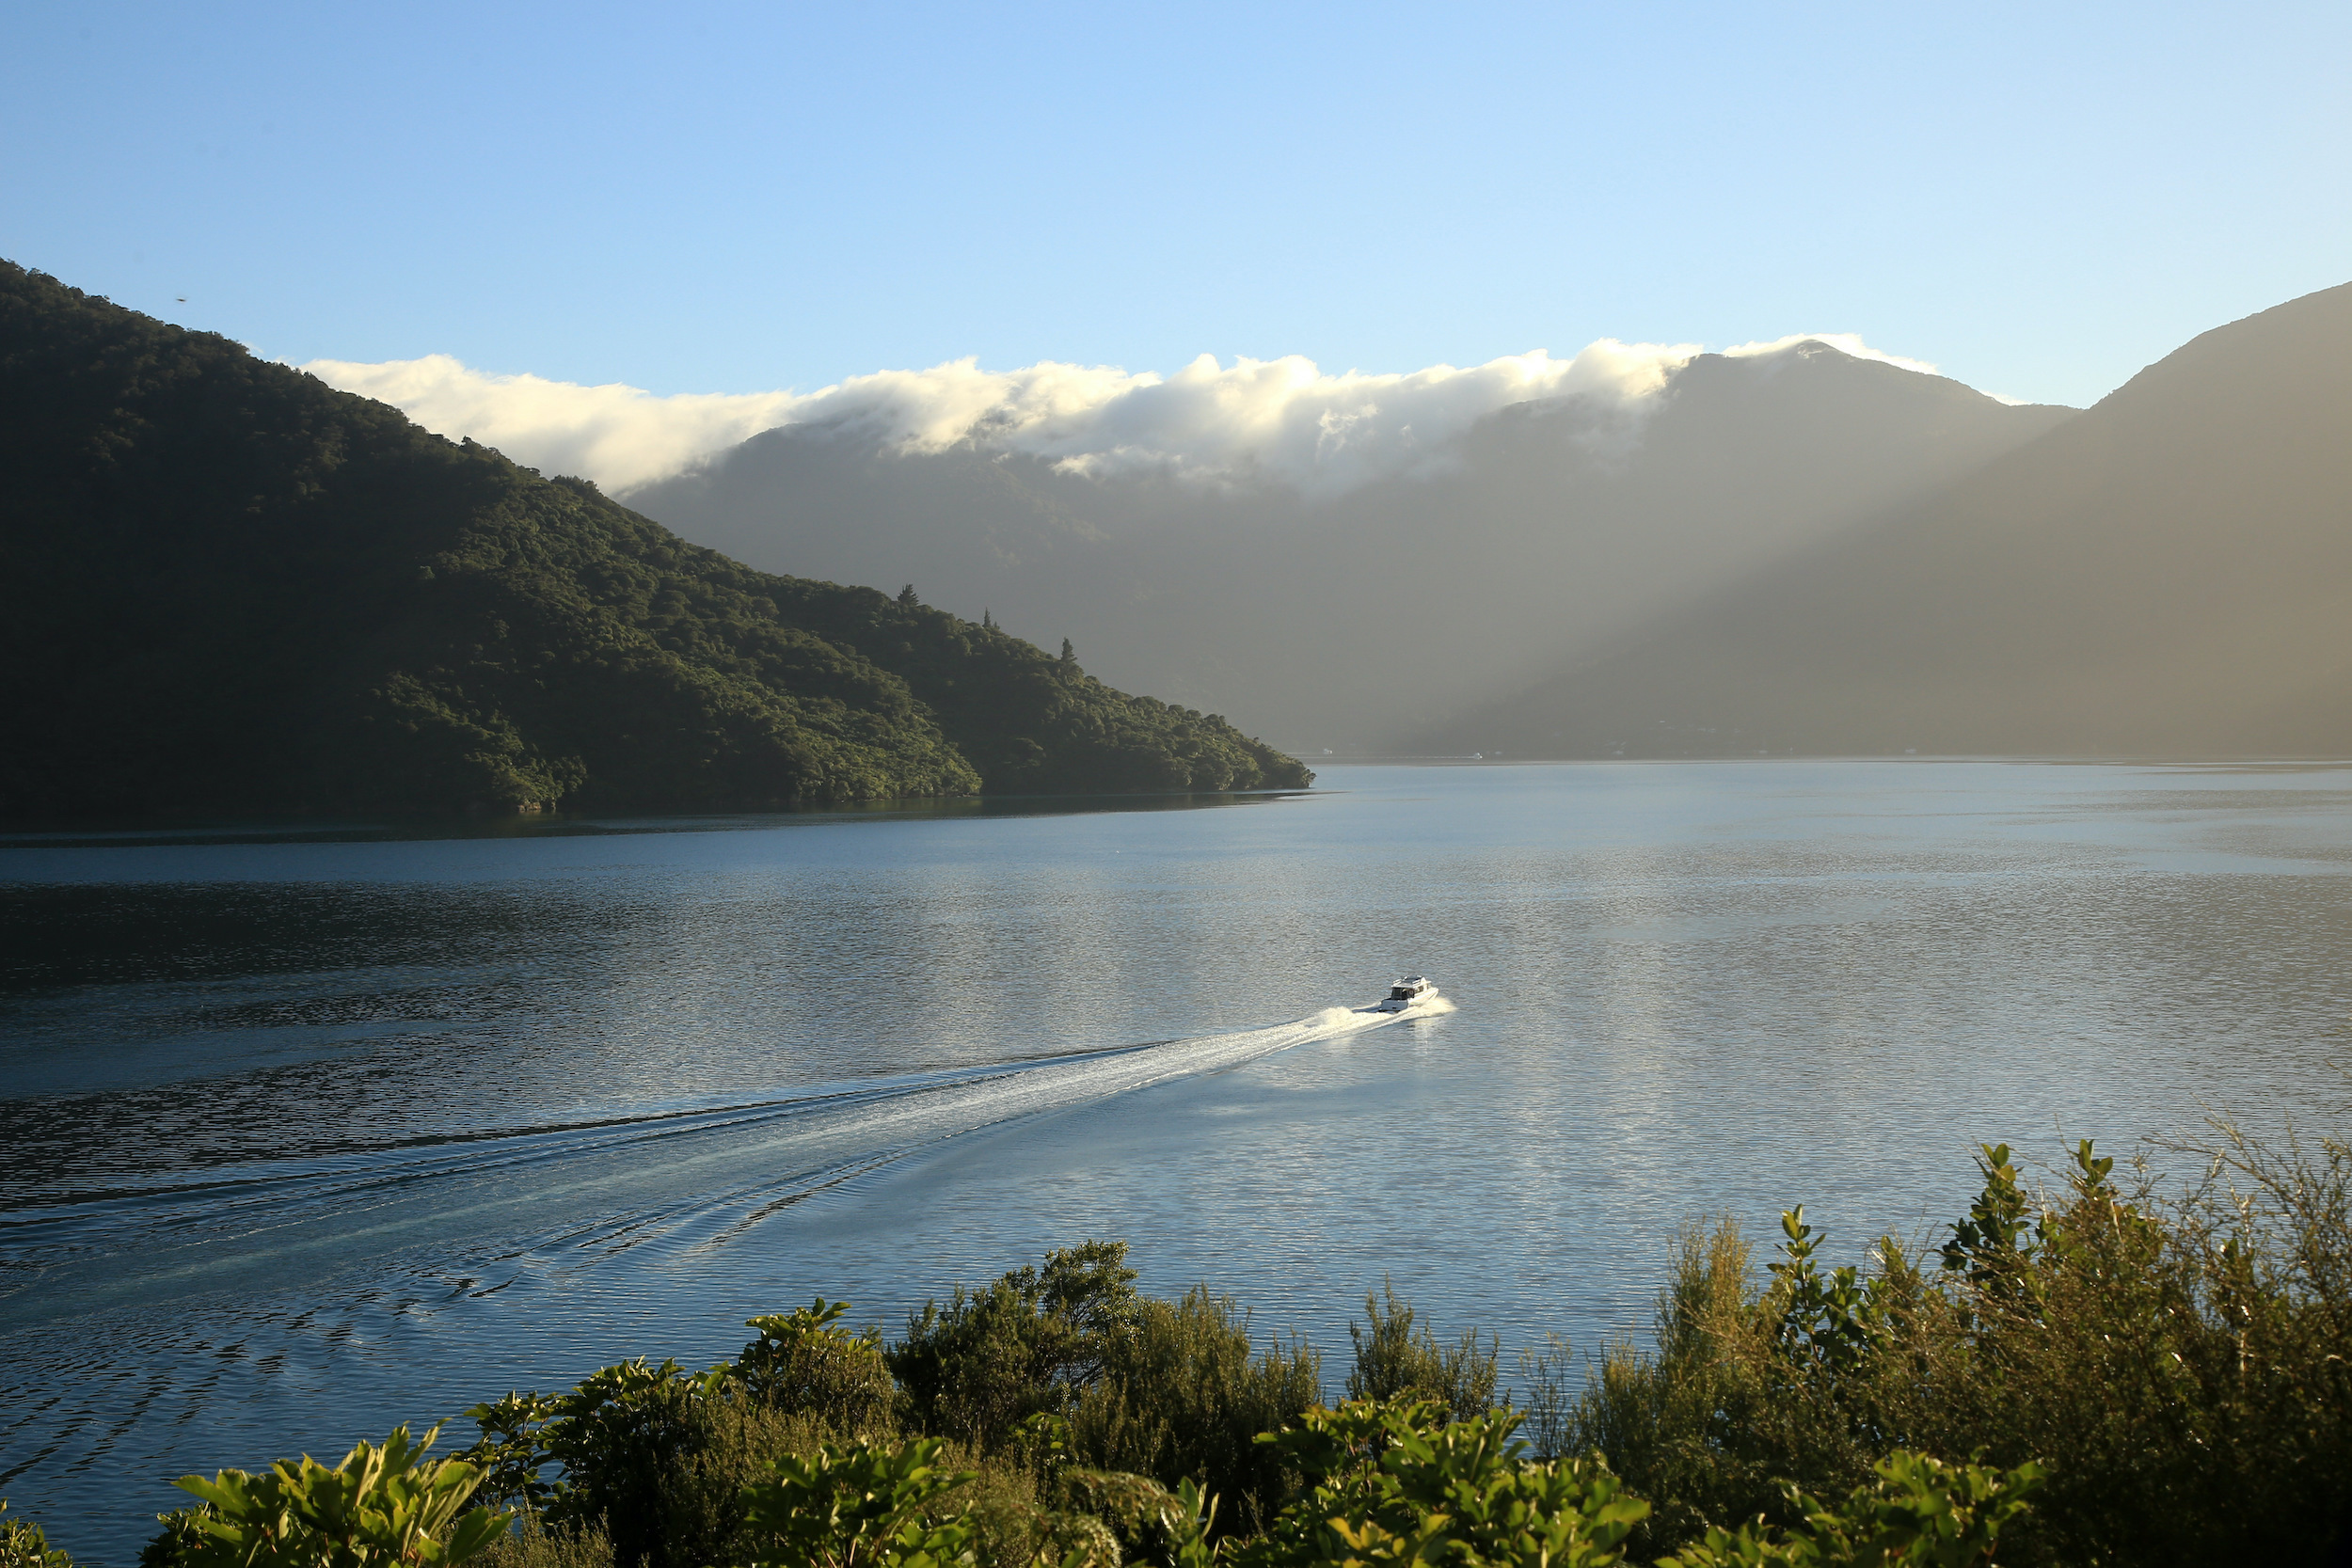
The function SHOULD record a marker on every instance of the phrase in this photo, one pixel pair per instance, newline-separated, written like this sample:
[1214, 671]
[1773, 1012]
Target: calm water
[299, 1139]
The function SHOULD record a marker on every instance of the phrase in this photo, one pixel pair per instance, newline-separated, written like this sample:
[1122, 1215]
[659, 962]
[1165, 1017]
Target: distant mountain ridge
[1346, 622]
[226, 587]
[2169, 574]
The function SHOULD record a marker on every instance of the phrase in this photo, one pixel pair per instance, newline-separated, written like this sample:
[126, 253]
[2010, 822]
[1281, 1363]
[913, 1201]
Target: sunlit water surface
[302, 1137]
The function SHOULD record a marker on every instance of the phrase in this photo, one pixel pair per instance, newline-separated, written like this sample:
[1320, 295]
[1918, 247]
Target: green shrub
[1183, 1397]
[381, 1506]
[803, 1363]
[1009, 1505]
[1548, 1394]
[531, 1544]
[2166, 1369]
[1387, 1483]
[859, 1505]
[1393, 1361]
[1918, 1513]
[2186, 1362]
[1676, 1421]
[24, 1545]
[698, 1511]
[652, 1459]
[2181, 1357]
[1033, 1503]
[627, 1439]
[1024, 1346]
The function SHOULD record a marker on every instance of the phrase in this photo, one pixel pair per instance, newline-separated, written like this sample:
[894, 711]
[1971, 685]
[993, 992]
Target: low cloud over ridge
[1282, 419]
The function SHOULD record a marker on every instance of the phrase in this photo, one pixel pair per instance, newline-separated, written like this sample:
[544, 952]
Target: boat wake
[261, 1306]
[699, 1175]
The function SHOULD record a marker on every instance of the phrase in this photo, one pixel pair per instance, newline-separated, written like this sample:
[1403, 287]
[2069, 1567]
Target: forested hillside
[226, 587]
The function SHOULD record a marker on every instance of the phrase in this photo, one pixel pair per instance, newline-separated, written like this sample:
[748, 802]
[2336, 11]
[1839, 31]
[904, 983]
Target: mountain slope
[226, 587]
[1553, 526]
[2169, 574]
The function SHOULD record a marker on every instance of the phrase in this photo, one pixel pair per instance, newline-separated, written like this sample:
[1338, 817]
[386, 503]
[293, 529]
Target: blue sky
[2039, 198]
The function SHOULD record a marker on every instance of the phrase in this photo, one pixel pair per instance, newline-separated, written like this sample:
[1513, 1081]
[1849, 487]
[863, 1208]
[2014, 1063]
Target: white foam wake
[697, 1176]
[1037, 1089]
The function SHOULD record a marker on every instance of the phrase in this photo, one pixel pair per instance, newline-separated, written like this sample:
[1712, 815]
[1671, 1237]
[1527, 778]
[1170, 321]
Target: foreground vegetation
[2101, 1373]
[226, 587]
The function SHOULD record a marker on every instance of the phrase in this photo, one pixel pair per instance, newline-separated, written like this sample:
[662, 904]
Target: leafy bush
[624, 1437]
[2187, 1364]
[653, 1459]
[1386, 1483]
[2162, 1369]
[856, 1506]
[1677, 1420]
[803, 1363]
[1392, 1361]
[24, 1545]
[380, 1506]
[1183, 1396]
[1920, 1512]
[1026, 1345]
[1548, 1373]
[2184, 1363]
[531, 1544]
[1032, 1504]
[650, 1462]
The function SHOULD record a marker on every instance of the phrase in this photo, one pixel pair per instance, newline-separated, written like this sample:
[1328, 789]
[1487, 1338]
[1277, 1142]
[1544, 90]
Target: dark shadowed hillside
[2171, 574]
[1344, 620]
[225, 587]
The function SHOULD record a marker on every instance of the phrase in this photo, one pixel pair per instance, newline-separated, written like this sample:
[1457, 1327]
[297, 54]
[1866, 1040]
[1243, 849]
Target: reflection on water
[302, 1135]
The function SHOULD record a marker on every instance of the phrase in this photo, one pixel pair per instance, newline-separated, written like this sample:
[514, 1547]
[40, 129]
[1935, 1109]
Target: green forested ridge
[226, 587]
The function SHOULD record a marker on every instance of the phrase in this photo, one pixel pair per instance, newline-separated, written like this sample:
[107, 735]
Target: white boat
[1405, 993]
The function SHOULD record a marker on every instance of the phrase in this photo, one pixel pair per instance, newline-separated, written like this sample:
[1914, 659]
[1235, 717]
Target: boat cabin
[1404, 994]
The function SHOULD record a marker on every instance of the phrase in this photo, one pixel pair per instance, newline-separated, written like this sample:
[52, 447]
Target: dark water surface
[304, 1136]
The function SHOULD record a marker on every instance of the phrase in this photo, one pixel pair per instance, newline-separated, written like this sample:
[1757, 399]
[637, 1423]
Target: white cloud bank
[1284, 419]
